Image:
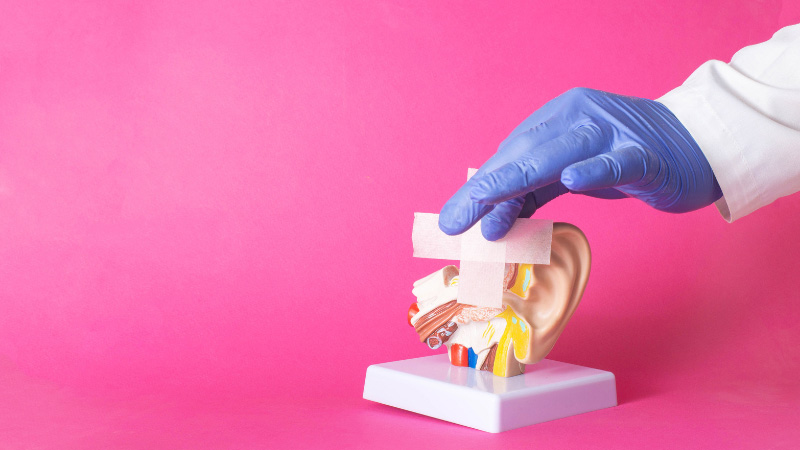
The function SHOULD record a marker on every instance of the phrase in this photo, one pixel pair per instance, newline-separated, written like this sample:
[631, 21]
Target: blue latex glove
[587, 142]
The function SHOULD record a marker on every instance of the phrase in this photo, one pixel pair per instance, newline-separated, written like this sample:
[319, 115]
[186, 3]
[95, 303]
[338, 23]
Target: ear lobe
[556, 290]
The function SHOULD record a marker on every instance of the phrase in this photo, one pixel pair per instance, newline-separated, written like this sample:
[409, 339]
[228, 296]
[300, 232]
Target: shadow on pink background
[206, 208]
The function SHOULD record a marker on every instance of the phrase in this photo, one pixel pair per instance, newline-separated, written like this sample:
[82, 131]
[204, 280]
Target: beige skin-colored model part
[556, 291]
[525, 331]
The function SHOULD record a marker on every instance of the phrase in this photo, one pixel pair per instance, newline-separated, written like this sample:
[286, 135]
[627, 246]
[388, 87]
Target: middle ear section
[538, 301]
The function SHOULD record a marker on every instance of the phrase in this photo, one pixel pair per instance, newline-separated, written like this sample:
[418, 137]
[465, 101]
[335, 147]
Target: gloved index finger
[460, 213]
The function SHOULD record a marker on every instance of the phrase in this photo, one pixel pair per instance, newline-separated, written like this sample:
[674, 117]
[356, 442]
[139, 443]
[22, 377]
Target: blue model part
[527, 281]
[472, 358]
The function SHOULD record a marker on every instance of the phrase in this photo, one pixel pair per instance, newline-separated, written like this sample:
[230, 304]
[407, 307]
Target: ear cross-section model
[537, 300]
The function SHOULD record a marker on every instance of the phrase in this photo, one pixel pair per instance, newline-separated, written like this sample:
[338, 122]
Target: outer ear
[556, 290]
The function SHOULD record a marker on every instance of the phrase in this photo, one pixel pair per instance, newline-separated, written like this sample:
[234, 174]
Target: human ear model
[538, 301]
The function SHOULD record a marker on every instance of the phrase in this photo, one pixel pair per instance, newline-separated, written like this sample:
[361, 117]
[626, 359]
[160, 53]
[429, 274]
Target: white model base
[479, 399]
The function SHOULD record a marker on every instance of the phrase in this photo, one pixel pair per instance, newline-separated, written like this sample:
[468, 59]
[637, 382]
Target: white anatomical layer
[435, 290]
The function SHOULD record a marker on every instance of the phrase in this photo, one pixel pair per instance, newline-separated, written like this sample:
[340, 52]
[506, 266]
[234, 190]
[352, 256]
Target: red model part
[412, 310]
[459, 356]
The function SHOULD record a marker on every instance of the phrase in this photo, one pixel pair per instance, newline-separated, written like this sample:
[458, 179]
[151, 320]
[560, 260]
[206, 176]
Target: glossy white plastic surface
[479, 399]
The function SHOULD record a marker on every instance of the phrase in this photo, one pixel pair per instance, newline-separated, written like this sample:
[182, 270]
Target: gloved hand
[587, 142]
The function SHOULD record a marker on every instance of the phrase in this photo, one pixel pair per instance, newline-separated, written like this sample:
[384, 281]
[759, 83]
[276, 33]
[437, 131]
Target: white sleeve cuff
[724, 154]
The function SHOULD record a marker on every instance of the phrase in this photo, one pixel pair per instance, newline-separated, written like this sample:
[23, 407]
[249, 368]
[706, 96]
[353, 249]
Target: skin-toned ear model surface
[555, 292]
[538, 301]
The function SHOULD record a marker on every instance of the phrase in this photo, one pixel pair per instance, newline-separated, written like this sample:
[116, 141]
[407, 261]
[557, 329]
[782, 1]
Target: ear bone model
[538, 301]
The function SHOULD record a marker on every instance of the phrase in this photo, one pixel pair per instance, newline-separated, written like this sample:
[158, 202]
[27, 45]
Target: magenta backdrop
[206, 208]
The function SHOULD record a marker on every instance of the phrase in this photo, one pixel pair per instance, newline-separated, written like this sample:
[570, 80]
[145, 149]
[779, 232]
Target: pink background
[206, 208]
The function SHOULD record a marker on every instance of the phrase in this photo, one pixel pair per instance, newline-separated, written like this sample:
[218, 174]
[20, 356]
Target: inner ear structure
[538, 301]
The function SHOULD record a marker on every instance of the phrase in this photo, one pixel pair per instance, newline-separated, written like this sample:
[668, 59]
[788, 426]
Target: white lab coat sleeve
[745, 116]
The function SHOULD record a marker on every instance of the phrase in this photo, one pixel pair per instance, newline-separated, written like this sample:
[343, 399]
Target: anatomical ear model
[538, 301]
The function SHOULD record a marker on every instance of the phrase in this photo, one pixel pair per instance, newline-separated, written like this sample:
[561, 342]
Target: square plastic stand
[478, 399]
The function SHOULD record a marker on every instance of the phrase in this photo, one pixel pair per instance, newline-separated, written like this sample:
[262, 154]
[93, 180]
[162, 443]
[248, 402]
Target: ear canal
[556, 290]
